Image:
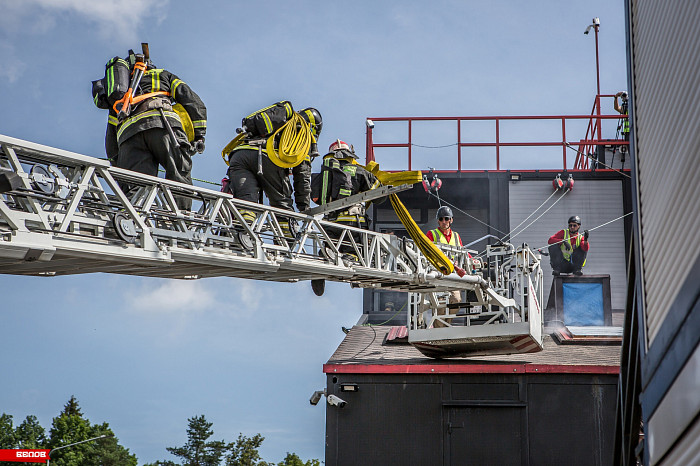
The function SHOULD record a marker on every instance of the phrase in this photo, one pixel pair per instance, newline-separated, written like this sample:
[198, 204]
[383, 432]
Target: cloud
[171, 296]
[193, 296]
[42, 16]
[12, 68]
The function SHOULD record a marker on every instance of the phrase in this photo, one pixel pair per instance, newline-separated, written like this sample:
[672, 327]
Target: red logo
[25, 456]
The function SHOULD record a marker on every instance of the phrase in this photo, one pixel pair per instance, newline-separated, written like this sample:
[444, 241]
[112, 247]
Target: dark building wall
[492, 204]
[457, 419]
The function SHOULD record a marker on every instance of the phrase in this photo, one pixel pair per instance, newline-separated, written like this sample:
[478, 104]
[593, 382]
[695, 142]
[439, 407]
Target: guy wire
[596, 161]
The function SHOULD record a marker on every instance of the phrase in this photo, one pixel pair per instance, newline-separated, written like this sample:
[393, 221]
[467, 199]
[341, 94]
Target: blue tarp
[583, 304]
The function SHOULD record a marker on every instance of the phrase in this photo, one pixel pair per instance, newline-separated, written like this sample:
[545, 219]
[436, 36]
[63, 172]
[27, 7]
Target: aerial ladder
[63, 213]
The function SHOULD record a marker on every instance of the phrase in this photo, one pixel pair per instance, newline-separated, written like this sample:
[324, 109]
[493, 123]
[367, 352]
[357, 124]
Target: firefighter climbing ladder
[64, 213]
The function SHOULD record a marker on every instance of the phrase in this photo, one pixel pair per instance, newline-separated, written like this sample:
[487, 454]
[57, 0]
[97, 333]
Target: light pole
[595, 24]
[48, 461]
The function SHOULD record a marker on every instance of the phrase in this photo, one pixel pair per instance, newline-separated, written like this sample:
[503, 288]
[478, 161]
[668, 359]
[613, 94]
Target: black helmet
[313, 118]
[444, 211]
[575, 219]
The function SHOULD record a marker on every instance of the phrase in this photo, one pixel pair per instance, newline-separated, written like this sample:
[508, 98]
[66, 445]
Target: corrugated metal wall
[666, 115]
[596, 202]
[687, 451]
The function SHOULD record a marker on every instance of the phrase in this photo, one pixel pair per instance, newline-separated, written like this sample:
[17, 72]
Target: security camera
[316, 397]
[370, 123]
[335, 401]
[596, 21]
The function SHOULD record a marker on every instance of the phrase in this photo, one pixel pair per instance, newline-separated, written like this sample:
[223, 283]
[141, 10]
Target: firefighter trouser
[245, 183]
[347, 247]
[302, 185]
[559, 264]
[147, 149]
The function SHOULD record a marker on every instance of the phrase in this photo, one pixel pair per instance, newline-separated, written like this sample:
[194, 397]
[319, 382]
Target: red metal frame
[584, 147]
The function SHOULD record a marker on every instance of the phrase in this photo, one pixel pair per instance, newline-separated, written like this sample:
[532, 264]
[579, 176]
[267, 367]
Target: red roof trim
[466, 369]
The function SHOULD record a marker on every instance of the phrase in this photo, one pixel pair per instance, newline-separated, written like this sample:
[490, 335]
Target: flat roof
[363, 350]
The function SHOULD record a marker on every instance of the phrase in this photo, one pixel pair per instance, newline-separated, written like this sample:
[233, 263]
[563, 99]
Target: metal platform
[493, 323]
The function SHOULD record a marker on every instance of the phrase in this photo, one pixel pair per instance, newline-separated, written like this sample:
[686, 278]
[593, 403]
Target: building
[550, 407]
[658, 414]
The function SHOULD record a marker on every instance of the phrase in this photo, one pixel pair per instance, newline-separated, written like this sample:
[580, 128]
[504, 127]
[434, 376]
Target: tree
[70, 427]
[292, 459]
[7, 432]
[30, 434]
[244, 452]
[198, 451]
[7, 436]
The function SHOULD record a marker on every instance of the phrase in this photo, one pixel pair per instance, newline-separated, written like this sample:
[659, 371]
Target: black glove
[198, 145]
[585, 235]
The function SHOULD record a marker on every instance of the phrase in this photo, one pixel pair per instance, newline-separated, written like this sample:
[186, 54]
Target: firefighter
[341, 176]
[143, 140]
[444, 234]
[248, 173]
[568, 248]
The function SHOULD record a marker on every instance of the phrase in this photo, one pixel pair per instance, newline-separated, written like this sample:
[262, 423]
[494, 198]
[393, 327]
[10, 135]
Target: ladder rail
[73, 206]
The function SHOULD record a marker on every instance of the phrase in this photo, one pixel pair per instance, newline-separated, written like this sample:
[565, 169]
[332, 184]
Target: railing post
[459, 145]
[369, 150]
[563, 139]
[597, 138]
[498, 147]
[410, 143]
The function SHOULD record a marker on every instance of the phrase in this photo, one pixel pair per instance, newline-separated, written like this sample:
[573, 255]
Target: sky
[146, 354]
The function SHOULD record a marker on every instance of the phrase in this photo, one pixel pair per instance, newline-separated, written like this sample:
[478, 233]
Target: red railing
[584, 148]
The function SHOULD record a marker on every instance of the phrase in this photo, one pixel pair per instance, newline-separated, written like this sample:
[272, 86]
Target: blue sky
[146, 354]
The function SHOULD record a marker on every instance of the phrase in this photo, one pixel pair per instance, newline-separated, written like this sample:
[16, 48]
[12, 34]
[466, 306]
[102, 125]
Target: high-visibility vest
[567, 249]
[625, 121]
[438, 237]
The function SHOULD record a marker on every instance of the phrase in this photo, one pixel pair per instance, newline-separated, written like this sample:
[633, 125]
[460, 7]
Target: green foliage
[292, 459]
[67, 428]
[30, 434]
[244, 451]
[70, 427]
[7, 432]
[198, 451]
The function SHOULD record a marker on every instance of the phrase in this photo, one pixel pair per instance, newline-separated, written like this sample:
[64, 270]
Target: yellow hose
[232, 145]
[394, 179]
[431, 252]
[294, 145]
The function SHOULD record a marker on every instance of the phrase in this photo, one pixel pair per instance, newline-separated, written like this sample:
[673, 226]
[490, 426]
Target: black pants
[245, 183]
[559, 264]
[347, 247]
[146, 150]
[302, 185]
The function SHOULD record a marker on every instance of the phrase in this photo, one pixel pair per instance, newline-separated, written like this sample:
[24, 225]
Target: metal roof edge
[468, 369]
